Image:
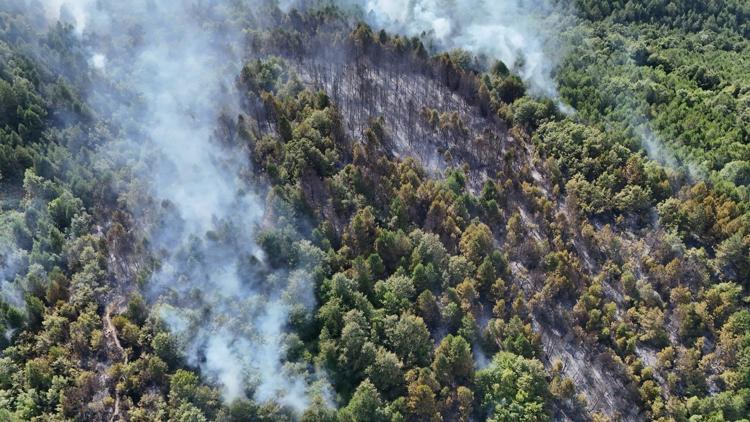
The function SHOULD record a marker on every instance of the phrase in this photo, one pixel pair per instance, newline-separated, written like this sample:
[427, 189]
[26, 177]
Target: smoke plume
[212, 286]
[70, 11]
[13, 261]
[521, 33]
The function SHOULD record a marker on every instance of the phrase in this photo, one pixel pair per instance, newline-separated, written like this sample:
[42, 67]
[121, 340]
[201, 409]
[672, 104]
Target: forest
[261, 210]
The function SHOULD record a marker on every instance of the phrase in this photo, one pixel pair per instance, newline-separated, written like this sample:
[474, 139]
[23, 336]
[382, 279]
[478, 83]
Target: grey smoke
[73, 11]
[521, 33]
[654, 146]
[660, 152]
[481, 360]
[13, 262]
[213, 288]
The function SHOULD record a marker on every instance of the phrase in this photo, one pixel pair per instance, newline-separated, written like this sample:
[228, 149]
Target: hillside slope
[249, 213]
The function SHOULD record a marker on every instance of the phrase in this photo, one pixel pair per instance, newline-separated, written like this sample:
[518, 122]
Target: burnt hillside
[243, 211]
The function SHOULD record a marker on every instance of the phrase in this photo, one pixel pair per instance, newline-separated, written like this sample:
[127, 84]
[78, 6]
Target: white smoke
[13, 262]
[521, 33]
[212, 288]
[71, 11]
[99, 61]
[660, 152]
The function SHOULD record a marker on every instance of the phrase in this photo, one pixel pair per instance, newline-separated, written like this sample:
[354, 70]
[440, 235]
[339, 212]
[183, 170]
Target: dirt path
[121, 267]
[110, 333]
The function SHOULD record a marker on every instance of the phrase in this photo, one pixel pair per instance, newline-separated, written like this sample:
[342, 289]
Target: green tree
[410, 339]
[365, 405]
[361, 233]
[421, 403]
[386, 373]
[476, 242]
[513, 388]
[453, 363]
[733, 257]
[165, 347]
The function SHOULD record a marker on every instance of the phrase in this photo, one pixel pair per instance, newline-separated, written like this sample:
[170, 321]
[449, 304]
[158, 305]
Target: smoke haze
[212, 287]
[521, 33]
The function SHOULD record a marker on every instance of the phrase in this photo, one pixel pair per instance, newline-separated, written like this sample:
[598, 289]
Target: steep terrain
[423, 118]
[249, 213]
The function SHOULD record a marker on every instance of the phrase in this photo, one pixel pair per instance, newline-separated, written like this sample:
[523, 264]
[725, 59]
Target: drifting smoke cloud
[212, 288]
[521, 33]
[636, 119]
[12, 263]
[72, 11]
[658, 151]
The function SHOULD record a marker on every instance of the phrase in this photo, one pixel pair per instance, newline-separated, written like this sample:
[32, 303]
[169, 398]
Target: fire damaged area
[439, 116]
[373, 210]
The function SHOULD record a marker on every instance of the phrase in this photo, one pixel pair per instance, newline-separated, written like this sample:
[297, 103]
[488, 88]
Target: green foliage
[476, 242]
[513, 388]
[453, 363]
[690, 15]
[188, 397]
[365, 405]
[410, 339]
[386, 374]
[166, 348]
[624, 224]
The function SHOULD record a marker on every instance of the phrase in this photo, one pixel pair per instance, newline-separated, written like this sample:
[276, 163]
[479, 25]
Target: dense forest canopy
[374, 211]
